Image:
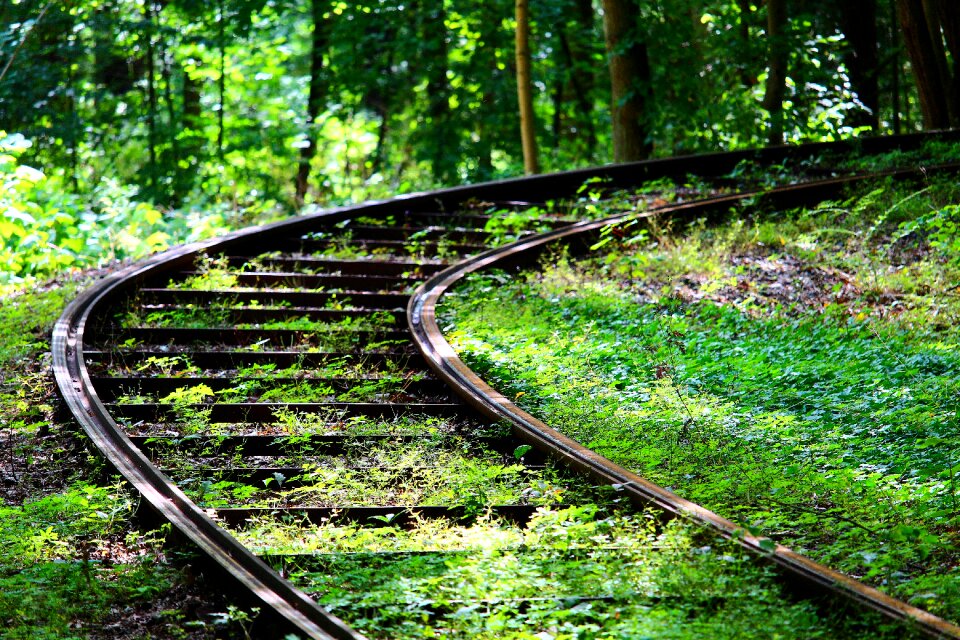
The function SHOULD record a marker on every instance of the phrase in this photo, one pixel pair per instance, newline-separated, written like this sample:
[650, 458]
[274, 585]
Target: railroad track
[285, 399]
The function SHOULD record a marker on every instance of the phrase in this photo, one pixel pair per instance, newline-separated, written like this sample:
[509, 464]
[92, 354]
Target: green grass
[569, 573]
[73, 564]
[800, 382]
[53, 577]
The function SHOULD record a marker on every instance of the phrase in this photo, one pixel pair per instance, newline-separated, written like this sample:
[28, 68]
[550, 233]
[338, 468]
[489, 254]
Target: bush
[45, 229]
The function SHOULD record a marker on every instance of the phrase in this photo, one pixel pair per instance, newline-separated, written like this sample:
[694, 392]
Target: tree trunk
[629, 80]
[528, 136]
[557, 97]
[949, 18]
[583, 83]
[442, 160]
[314, 99]
[190, 123]
[930, 10]
[744, 61]
[382, 131]
[923, 59]
[578, 80]
[776, 87]
[858, 21]
[190, 99]
[182, 179]
[895, 67]
[151, 95]
[381, 105]
[222, 79]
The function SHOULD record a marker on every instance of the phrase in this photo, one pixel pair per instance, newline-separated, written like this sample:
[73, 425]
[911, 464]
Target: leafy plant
[189, 408]
[818, 415]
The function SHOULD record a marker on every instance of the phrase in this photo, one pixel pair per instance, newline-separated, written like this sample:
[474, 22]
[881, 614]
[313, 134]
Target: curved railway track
[294, 377]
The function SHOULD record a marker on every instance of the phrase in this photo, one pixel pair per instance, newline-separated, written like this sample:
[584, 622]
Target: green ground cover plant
[796, 372]
[608, 576]
[438, 472]
[56, 566]
[73, 562]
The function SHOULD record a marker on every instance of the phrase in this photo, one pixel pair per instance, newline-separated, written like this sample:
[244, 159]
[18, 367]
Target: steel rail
[443, 359]
[78, 325]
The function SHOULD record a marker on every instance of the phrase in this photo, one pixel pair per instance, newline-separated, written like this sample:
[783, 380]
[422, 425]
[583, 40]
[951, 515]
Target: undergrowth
[794, 371]
[72, 562]
[569, 573]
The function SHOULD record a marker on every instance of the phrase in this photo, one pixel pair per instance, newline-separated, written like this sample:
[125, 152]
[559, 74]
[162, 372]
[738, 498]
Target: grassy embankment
[795, 371]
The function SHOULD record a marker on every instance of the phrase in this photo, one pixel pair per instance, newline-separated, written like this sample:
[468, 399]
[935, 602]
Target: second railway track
[265, 394]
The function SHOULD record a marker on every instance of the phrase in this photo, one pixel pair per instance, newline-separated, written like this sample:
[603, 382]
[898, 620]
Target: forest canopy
[172, 119]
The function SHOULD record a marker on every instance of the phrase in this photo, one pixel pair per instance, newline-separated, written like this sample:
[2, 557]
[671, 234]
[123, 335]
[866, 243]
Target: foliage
[206, 103]
[55, 575]
[603, 576]
[796, 373]
[46, 230]
[942, 230]
[37, 531]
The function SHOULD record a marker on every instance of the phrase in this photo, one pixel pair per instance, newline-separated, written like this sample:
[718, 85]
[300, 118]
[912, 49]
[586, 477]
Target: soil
[757, 281]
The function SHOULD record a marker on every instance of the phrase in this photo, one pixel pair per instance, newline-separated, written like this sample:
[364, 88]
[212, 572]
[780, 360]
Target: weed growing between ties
[568, 572]
[796, 374]
[439, 471]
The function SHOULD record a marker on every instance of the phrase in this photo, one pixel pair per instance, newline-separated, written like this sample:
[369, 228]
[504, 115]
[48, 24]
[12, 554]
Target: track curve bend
[172, 353]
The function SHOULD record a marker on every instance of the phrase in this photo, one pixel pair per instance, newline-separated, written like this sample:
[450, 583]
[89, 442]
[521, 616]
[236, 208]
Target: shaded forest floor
[75, 561]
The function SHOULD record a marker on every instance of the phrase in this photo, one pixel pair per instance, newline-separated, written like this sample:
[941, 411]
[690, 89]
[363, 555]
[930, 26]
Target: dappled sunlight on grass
[812, 402]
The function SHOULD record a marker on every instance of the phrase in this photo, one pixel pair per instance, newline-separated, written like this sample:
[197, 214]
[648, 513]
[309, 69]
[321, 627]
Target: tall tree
[443, 158]
[777, 55]
[629, 64]
[571, 71]
[949, 18]
[153, 167]
[858, 21]
[528, 135]
[315, 99]
[221, 77]
[925, 25]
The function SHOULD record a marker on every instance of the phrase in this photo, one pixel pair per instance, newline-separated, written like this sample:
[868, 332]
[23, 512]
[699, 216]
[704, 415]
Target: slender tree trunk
[484, 149]
[442, 161]
[151, 96]
[744, 57]
[931, 12]
[190, 98]
[776, 86]
[557, 98]
[581, 79]
[923, 60]
[314, 99]
[949, 16]
[222, 79]
[895, 67]
[76, 131]
[381, 105]
[382, 131]
[190, 123]
[858, 20]
[182, 179]
[528, 138]
[629, 80]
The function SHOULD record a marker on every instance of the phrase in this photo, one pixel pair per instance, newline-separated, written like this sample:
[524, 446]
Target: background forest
[128, 125]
